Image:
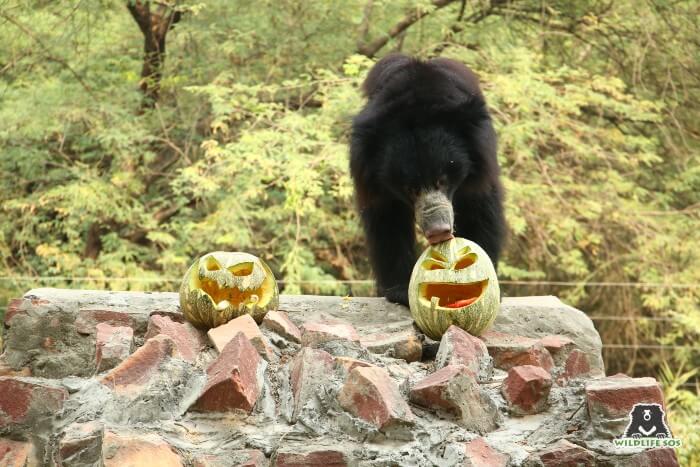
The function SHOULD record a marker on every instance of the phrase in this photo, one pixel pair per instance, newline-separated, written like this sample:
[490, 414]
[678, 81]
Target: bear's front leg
[391, 240]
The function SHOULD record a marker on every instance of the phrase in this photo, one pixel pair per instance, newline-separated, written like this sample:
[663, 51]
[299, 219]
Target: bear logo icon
[647, 421]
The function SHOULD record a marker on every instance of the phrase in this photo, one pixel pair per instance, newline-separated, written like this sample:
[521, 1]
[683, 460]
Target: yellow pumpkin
[454, 282]
[223, 285]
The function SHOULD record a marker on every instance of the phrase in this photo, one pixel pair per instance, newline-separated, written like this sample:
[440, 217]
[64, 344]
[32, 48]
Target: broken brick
[576, 365]
[312, 456]
[220, 336]
[657, 457]
[558, 347]
[478, 453]
[611, 399]
[81, 444]
[240, 458]
[279, 322]
[25, 400]
[123, 450]
[508, 351]
[458, 347]
[232, 379]
[17, 454]
[370, 394]
[309, 370]
[315, 333]
[563, 453]
[113, 345]
[189, 340]
[404, 345]
[87, 320]
[348, 364]
[131, 375]
[454, 389]
[526, 389]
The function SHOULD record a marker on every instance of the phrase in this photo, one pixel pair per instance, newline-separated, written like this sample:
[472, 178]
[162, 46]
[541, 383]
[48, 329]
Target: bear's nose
[438, 233]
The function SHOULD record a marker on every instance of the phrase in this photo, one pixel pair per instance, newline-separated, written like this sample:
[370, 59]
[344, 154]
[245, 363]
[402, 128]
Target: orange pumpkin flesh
[453, 295]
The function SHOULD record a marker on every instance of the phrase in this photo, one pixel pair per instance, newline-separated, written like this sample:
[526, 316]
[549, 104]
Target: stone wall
[118, 378]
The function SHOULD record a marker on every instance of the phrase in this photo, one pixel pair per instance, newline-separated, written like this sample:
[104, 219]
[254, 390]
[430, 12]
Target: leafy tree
[120, 164]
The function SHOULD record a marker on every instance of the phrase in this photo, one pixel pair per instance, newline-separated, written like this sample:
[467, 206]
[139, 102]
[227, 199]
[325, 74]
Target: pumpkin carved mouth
[223, 297]
[450, 295]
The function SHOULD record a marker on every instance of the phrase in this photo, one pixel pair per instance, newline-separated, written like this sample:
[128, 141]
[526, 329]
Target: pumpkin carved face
[453, 282]
[221, 286]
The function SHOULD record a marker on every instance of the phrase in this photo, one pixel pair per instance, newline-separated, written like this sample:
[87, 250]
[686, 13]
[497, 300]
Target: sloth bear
[647, 421]
[423, 150]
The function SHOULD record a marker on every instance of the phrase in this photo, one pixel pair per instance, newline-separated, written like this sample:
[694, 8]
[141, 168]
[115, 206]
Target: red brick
[189, 340]
[576, 365]
[612, 398]
[7, 370]
[13, 307]
[454, 389]
[242, 458]
[348, 364]
[565, 454]
[478, 453]
[136, 450]
[23, 400]
[113, 345]
[81, 443]
[279, 322]
[657, 457]
[316, 333]
[131, 375]
[404, 345]
[458, 347]
[558, 347]
[17, 454]
[221, 335]
[310, 369]
[320, 457]
[526, 389]
[87, 320]
[370, 394]
[508, 351]
[232, 379]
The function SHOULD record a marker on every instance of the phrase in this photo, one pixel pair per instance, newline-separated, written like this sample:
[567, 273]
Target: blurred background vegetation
[121, 163]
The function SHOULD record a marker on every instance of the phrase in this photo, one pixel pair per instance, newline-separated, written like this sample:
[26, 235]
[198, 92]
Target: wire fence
[368, 282]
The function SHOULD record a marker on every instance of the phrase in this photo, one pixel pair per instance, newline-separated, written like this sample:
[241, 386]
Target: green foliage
[596, 106]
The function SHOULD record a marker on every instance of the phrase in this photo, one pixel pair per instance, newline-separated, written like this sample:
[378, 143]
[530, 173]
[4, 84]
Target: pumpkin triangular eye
[437, 256]
[212, 264]
[435, 261]
[465, 261]
[242, 269]
[431, 265]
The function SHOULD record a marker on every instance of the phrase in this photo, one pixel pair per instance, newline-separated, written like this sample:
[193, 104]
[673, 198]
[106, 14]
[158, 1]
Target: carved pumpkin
[222, 285]
[453, 282]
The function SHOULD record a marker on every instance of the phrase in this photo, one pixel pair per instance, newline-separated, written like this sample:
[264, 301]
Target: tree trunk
[155, 19]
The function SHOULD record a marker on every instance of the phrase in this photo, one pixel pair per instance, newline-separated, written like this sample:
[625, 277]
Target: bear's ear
[379, 75]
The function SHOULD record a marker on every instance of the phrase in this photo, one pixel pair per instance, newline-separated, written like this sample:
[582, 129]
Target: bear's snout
[435, 216]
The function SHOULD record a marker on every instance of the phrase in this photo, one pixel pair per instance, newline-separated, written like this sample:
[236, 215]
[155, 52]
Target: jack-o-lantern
[454, 282]
[222, 285]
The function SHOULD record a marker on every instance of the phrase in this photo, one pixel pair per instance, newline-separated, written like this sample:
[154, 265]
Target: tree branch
[370, 49]
[47, 53]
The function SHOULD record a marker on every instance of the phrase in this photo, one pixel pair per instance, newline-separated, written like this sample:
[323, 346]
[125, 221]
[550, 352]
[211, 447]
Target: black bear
[423, 150]
[647, 421]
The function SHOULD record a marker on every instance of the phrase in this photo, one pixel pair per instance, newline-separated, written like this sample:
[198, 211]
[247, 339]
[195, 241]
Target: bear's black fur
[647, 421]
[425, 128]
